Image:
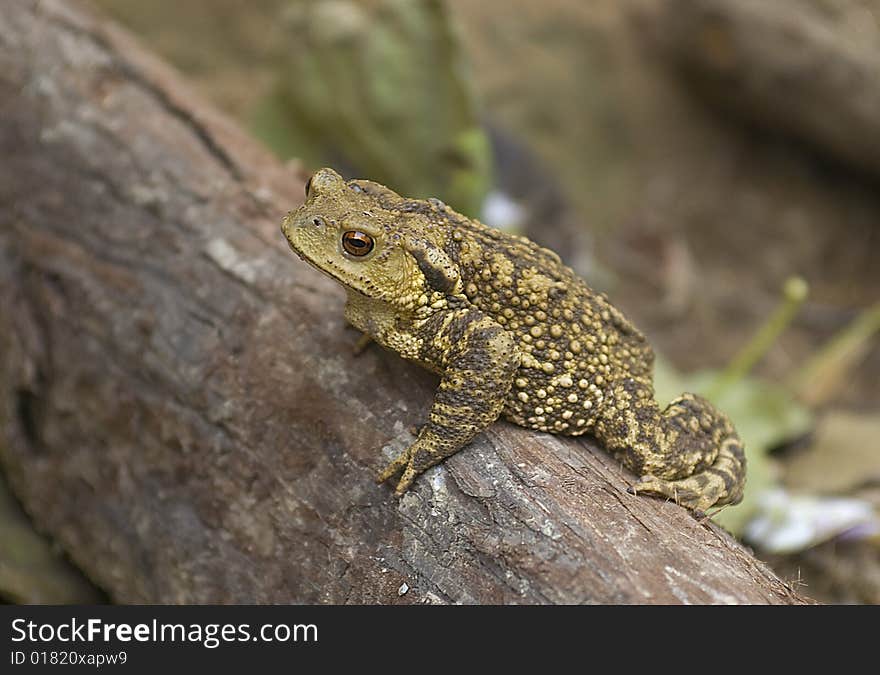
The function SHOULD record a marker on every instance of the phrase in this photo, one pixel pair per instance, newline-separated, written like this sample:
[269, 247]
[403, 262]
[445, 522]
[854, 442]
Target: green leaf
[382, 89]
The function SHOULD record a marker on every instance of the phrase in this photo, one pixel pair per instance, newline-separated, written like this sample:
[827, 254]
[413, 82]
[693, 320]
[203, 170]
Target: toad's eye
[308, 186]
[357, 243]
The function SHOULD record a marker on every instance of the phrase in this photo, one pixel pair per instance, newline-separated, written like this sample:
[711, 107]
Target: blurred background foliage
[713, 164]
[380, 89]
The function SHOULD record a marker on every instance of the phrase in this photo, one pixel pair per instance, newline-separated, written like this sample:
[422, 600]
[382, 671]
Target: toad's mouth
[327, 271]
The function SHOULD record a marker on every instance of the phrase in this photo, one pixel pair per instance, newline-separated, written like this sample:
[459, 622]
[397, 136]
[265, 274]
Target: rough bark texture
[810, 69]
[180, 407]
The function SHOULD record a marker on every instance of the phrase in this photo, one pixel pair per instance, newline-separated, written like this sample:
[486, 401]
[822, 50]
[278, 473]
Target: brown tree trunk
[180, 406]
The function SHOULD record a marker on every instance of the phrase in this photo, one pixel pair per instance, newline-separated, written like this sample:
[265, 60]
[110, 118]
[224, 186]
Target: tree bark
[810, 70]
[181, 408]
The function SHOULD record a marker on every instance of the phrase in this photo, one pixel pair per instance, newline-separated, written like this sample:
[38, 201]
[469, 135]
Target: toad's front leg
[477, 359]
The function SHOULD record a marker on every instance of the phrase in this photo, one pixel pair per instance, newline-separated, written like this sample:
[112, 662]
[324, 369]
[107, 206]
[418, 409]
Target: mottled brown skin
[512, 332]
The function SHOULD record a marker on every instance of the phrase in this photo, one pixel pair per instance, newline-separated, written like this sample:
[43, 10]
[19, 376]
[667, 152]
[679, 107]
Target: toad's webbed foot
[362, 343]
[689, 452]
[416, 459]
[719, 484]
[401, 463]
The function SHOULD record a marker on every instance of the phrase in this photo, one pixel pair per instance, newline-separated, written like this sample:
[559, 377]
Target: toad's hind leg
[688, 452]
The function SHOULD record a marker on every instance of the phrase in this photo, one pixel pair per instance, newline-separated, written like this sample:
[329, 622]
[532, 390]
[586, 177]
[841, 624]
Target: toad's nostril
[317, 221]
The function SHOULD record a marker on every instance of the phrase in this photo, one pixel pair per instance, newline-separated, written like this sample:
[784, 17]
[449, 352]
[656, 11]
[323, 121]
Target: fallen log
[806, 70]
[180, 406]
